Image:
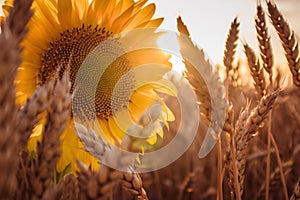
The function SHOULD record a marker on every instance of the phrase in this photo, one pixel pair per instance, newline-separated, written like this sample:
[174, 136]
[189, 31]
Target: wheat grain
[229, 122]
[235, 74]
[132, 183]
[70, 189]
[100, 184]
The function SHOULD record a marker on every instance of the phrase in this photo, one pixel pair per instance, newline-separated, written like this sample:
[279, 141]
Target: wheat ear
[234, 160]
[9, 138]
[230, 46]
[17, 19]
[263, 38]
[256, 71]
[209, 100]
[12, 32]
[288, 41]
[38, 103]
[39, 173]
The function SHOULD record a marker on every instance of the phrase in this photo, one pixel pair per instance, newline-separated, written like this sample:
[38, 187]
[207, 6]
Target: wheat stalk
[235, 156]
[267, 58]
[288, 40]
[189, 178]
[245, 129]
[275, 179]
[296, 192]
[263, 38]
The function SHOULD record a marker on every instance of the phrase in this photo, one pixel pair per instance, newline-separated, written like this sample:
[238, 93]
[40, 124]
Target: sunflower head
[106, 78]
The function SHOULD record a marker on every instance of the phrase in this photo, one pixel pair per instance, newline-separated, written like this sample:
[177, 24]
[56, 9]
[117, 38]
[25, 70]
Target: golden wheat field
[59, 141]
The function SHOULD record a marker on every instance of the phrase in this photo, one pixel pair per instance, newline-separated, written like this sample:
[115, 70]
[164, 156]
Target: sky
[209, 21]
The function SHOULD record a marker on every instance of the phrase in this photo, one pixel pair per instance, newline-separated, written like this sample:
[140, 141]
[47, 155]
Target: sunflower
[63, 32]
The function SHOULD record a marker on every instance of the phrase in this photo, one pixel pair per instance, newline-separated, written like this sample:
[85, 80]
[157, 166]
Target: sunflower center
[73, 46]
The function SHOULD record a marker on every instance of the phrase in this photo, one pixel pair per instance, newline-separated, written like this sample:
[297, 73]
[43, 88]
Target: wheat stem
[237, 188]
[296, 192]
[280, 167]
[268, 167]
[220, 169]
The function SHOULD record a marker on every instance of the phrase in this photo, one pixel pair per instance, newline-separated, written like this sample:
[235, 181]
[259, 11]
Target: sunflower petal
[65, 13]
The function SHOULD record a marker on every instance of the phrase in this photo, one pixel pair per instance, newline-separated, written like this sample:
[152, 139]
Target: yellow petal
[149, 72]
[152, 140]
[142, 16]
[81, 7]
[35, 137]
[65, 13]
[69, 147]
[101, 129]
[123, 119]
[116, 130]
[151, 24]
